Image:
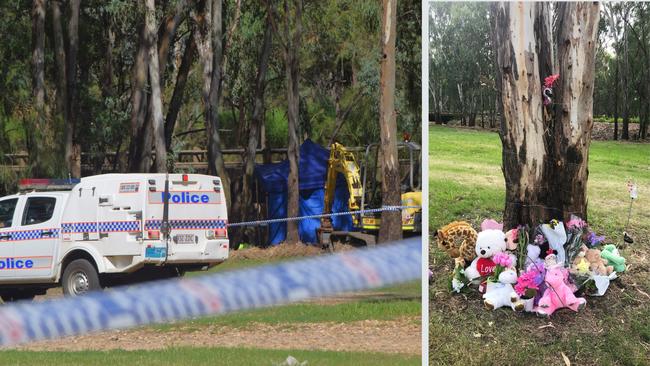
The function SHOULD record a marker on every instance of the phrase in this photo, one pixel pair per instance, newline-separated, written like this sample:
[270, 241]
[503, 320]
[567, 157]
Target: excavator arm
[340, 161]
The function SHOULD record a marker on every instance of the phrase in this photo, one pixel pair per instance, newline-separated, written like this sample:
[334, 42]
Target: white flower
[457, 285]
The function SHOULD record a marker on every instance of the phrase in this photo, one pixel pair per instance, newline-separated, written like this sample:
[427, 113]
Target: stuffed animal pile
[539, 270]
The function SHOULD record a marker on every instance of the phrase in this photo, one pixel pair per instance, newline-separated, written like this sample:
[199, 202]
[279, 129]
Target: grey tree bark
[391, 221]
[156, 98]
[545, 161]
[291, 47]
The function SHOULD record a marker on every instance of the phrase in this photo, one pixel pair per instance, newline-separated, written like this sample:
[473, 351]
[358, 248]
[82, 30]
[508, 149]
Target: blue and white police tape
[219, 293]
[285, 219]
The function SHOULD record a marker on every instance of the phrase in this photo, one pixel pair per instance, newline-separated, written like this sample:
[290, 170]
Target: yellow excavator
[409, 156]
[342, 161]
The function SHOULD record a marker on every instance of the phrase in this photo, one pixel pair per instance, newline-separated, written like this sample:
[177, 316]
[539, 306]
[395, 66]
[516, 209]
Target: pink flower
[502, 259]
[575, 223]
[526, 282]
[550, 80]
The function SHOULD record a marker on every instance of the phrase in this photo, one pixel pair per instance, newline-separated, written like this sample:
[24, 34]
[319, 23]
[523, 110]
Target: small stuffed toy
[502, 293]
[580, 264]
[557, 294]
[512, 237]
[613, 257]
[556, 236]
[597, 264]
[532, 255]
[488, 243]
[457, 239]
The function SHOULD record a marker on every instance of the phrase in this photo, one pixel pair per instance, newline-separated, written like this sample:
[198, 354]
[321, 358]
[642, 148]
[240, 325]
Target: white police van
[107, 230]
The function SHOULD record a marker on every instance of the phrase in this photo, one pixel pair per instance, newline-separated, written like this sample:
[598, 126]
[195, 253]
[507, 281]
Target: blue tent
[312, 171]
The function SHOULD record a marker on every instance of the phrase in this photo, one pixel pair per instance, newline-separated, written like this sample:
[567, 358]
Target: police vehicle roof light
[46, 184]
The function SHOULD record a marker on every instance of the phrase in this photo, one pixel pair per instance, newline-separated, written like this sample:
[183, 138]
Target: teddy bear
[488, 243]
[597, 264]
[502, 293]
[557, 294]
[580, 264]
[532, 255]
[613, 258]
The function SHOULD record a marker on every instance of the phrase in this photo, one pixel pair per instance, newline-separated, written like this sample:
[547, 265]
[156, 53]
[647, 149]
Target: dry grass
[283, 250]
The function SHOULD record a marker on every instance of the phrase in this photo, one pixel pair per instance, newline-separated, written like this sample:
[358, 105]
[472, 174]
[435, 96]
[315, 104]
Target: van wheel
[80, 277]
[16, 295]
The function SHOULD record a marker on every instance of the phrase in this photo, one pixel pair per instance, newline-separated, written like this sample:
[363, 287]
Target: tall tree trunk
[216, 162]
[545, 164]
[616, 89]
[73, 162]
[61, 80]
[156, 98]
[291, 48]
[576, 45]
[138, 104]
[38, 83]
[625, 135]
[391, 221]
[166, 34]
[209, 47]
[257, 119]
[179, 89]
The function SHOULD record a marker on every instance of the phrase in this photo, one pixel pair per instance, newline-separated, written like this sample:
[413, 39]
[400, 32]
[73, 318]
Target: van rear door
[197, 216]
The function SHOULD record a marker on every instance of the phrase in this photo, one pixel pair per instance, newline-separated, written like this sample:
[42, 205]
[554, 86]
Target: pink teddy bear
[557, 294]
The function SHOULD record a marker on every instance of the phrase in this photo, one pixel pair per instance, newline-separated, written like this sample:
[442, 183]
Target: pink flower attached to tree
[502, 259]
[550, 80]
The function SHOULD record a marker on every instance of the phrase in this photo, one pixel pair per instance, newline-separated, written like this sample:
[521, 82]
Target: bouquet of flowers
[502, 261]
[575, 229]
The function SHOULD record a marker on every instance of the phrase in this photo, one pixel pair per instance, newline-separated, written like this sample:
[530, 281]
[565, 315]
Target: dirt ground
[395, 336]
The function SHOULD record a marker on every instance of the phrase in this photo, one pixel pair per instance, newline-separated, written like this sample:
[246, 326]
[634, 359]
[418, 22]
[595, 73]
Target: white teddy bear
[488, 243]
[502, 293]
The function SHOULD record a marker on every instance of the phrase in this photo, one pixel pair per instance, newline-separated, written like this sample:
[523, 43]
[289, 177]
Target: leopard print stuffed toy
[458, 240]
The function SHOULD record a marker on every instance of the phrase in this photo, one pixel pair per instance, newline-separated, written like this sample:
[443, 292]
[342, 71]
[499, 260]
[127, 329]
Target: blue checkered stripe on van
[29, 234]
[79, 227]
[119, 226]
[188, 224]
[102, 226]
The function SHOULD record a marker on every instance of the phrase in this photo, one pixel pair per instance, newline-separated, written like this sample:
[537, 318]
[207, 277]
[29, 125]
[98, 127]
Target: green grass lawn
[382, 304]
[203, 356]
[466, 183]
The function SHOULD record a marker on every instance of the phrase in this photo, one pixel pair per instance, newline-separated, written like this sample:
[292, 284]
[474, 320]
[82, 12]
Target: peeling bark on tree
[391, 221]
[545, 161]
[138, 105]
[156, 98]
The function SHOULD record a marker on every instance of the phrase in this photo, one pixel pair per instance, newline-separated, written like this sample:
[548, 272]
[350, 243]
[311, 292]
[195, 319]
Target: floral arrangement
[502, 261]
[530, 282]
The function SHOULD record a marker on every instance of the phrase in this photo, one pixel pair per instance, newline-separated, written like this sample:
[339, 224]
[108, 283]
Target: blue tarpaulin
[312, 173]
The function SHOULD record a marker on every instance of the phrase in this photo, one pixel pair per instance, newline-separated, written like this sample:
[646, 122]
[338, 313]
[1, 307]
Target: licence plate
[185, 239]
